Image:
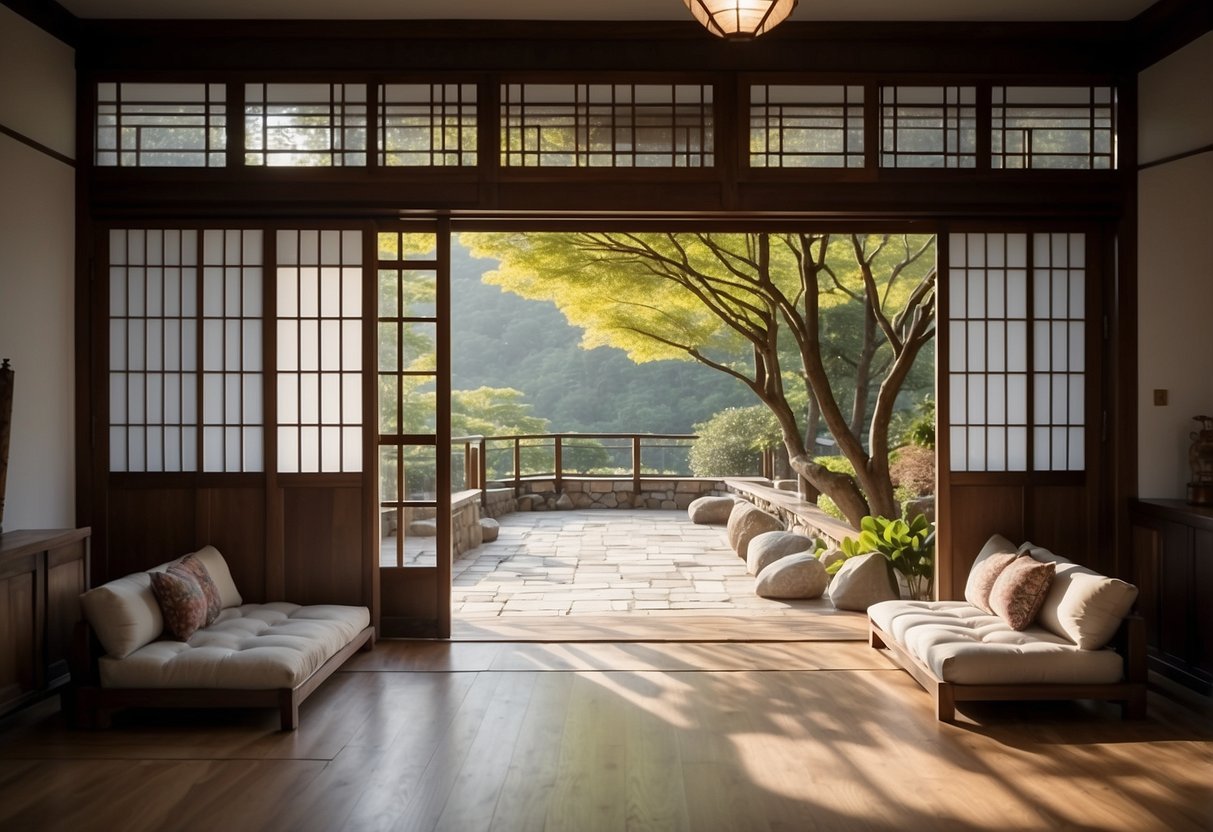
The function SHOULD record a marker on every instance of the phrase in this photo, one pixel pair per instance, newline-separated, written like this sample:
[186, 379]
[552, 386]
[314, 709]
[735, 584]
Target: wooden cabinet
[1173, 568]
[42, 573]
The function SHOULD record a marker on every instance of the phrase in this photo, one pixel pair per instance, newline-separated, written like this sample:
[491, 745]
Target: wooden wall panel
[65, 581]
[409, 602]
[322, 536]
[18, 666]
[147, 526]
[978, 511]
[233, 521]
[1056, 518]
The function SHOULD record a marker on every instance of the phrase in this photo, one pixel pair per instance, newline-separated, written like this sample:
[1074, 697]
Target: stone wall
[655, 493]
[796, 514]
[466, 532]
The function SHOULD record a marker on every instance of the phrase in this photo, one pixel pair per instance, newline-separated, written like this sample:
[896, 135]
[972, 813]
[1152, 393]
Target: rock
[564, 502]
[710, 511]
[861, 582]
[424, 528]
[683, 501]
[746, 522]
[796, 576]
[921, 505]
[829, 556]
[489, 529]
[582, 500]
[769, 547]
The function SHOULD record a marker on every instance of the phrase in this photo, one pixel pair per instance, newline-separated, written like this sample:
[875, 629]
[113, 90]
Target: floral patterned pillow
[1020, 590]
[983, 576]
[182, 602]
[214, 604]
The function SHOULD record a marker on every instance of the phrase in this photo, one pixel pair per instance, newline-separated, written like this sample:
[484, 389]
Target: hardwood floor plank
[535, 766]
[590, 791]
[472, 800]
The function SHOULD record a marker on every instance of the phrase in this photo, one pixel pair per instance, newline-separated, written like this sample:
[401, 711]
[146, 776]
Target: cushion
[862, 581]
[216, 567]
[250, 647]
[964, 645]
[1019, 591]
[997, 544]
[123, 614]
[982, 577]
[1083, 605]
[182, 601]
[214, 604]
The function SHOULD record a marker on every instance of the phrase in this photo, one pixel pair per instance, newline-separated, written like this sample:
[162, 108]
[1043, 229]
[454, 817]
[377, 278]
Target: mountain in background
[501, 340]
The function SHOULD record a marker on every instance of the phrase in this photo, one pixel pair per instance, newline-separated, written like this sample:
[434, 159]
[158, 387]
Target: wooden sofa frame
[1130, 642]
[89, 705]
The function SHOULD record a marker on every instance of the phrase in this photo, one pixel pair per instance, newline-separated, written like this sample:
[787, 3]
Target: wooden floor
[583, 736]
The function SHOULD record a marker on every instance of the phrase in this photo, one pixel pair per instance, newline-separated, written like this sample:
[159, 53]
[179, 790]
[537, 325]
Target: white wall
[1175, 263]
[37, 272]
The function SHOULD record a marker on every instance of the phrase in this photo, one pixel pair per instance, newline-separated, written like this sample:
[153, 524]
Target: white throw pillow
[216, 567]
[1082, 605]
[124, 614]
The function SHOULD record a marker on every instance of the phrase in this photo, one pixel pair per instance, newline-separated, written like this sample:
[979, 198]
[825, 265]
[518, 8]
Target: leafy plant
[909, 547]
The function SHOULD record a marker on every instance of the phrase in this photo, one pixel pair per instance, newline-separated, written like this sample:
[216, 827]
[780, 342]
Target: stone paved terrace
[595, 562]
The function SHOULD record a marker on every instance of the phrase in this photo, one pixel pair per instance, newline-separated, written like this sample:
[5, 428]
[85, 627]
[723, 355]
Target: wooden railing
[563, 450]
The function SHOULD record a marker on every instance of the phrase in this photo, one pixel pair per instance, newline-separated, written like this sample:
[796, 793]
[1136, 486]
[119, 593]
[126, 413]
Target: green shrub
[730, 442]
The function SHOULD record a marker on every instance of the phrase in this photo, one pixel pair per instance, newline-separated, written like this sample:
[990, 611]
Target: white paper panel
[288, 450]
[330, 449]
[351, 449]
[330, 400]
[254, 449]
[309, 450]
[155, 449]
[309, 398]
[212, 344]
[959, 448]
[118, 449]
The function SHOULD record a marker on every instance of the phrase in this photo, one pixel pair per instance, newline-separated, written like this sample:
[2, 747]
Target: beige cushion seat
[251, 647]
[962, 644]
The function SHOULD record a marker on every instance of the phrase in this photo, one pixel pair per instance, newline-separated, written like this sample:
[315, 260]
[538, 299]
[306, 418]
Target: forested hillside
[501, 340]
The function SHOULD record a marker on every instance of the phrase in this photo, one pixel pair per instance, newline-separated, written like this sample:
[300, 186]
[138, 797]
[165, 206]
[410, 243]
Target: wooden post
[559, 465]
[6, 421]
[636, 465]
[517, 465]
[481, 456]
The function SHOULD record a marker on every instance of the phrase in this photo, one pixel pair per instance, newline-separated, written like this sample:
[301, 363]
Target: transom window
[161, 125]
[1053, 127]
[806, 126]
[607, 125]
[928, 127]
[305, 125]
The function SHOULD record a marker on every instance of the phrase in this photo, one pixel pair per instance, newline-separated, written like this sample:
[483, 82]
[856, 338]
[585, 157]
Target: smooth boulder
[862, 581]
[798, 576]
[424, 528]
[769, 547]
[830, 556]
[489, 529]
[746, 522]
[710, 511]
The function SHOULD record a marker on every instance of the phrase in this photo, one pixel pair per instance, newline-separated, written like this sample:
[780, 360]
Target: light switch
[1160, 398]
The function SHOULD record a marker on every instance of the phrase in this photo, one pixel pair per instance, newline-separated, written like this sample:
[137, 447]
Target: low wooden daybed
[271, 655]
[1085, 643]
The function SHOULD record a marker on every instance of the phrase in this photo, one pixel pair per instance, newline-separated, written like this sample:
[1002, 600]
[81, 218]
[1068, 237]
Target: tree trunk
[863, 372]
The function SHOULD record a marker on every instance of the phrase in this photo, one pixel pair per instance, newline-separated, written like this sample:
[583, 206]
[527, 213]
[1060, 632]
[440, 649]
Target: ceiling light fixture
[740, 19]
